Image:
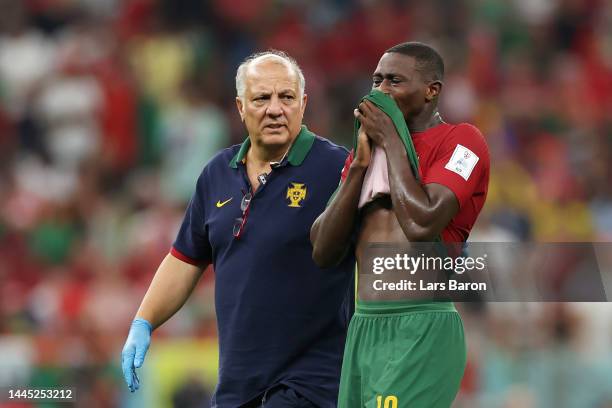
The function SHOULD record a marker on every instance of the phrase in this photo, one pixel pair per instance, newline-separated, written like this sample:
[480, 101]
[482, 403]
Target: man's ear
[304, 100]
[433, 90]
[240, 106]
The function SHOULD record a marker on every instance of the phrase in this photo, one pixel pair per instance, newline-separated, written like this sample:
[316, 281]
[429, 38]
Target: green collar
[300, 148]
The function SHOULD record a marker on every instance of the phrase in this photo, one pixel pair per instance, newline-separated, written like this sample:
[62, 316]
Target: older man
[282, 321]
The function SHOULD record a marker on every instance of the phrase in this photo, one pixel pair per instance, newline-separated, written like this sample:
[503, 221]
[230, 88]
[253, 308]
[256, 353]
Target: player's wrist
[391, 144]
[358, 166]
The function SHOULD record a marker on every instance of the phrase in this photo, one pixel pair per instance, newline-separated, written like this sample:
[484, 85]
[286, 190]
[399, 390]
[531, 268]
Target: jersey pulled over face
[272, 108]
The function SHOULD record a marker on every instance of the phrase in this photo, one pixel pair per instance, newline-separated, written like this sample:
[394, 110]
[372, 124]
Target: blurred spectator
[192, 131]
[27, 56]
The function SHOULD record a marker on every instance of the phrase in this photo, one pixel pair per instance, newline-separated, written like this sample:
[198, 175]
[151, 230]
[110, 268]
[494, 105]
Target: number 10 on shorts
[390, 401]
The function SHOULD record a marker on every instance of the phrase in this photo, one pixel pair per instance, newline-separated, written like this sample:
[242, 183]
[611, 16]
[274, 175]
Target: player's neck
[424, 121]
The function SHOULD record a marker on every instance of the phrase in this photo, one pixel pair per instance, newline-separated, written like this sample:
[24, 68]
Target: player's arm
[331, 232]
[422, 211]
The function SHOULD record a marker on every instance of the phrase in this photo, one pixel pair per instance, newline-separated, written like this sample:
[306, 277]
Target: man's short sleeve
[461, 164]
[192, 244]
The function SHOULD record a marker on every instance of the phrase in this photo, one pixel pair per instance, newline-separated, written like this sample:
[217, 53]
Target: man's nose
[274, 108]
[385, 86]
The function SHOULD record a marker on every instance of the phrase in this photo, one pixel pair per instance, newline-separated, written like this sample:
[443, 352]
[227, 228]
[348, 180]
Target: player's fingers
[358, 115]
[141, 351]
[369, 106]
[361, 132]
[127, 365]
[363, 141]
[363, 108]
[363, 120]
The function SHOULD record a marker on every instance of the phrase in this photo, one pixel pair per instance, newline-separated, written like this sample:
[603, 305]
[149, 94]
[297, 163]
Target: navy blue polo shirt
[281, 319]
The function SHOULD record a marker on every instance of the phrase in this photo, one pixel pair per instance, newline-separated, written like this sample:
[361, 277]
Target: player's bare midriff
[379, 224]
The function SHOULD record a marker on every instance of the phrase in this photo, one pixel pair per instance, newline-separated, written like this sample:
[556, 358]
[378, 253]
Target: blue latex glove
[134, 351]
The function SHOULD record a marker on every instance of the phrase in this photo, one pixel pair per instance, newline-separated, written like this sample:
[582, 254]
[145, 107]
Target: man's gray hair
[241, 72]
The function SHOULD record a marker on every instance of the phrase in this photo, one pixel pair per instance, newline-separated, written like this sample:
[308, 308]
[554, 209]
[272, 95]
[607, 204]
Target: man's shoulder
[218, 164]
[466, 130]
[222, 158]
[326, 149]
[467, 135]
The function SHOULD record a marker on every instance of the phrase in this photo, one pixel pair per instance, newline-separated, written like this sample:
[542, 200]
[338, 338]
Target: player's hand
[134, 351]
[364, 149]
[377, 124]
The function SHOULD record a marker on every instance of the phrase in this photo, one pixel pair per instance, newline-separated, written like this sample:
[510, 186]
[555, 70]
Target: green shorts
[403, 355]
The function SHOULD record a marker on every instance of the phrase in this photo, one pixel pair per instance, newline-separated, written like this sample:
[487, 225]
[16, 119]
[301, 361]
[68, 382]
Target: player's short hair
[242, 69]
[428, 62]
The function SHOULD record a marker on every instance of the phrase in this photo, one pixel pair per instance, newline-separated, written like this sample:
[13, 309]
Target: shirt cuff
[180, 256]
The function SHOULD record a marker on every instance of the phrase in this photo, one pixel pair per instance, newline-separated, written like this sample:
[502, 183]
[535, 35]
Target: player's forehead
[394, 63]
[271, 74]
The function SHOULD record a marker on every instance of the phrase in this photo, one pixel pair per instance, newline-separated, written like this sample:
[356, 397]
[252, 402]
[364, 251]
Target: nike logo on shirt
[221, 204]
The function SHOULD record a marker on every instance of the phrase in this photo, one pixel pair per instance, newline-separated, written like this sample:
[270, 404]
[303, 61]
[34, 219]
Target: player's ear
[433, 90]
[240, 106]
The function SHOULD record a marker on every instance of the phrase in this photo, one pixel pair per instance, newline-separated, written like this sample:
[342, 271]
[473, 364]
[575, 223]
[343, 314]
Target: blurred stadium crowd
[110, 108]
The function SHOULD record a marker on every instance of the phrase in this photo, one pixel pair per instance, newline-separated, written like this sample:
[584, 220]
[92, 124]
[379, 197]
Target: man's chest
[280, 211]
[429, 151]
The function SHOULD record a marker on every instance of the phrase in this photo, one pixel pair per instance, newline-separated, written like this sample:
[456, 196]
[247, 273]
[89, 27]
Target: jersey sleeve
[192, 244]
[462, 162]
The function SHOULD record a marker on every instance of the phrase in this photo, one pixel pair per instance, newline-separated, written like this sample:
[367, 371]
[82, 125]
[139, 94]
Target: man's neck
[425, 120]
[261, 156]
[259, 161]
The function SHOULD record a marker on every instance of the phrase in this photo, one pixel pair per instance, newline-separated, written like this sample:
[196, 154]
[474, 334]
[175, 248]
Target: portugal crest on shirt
[296, 194]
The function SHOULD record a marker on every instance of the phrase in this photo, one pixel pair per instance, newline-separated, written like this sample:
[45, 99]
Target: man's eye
[395, 81]
[377, 81]
[288, 97]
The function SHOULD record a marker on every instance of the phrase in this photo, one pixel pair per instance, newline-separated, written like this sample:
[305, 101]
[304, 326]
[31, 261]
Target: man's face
[397, 76]
[272, 109]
